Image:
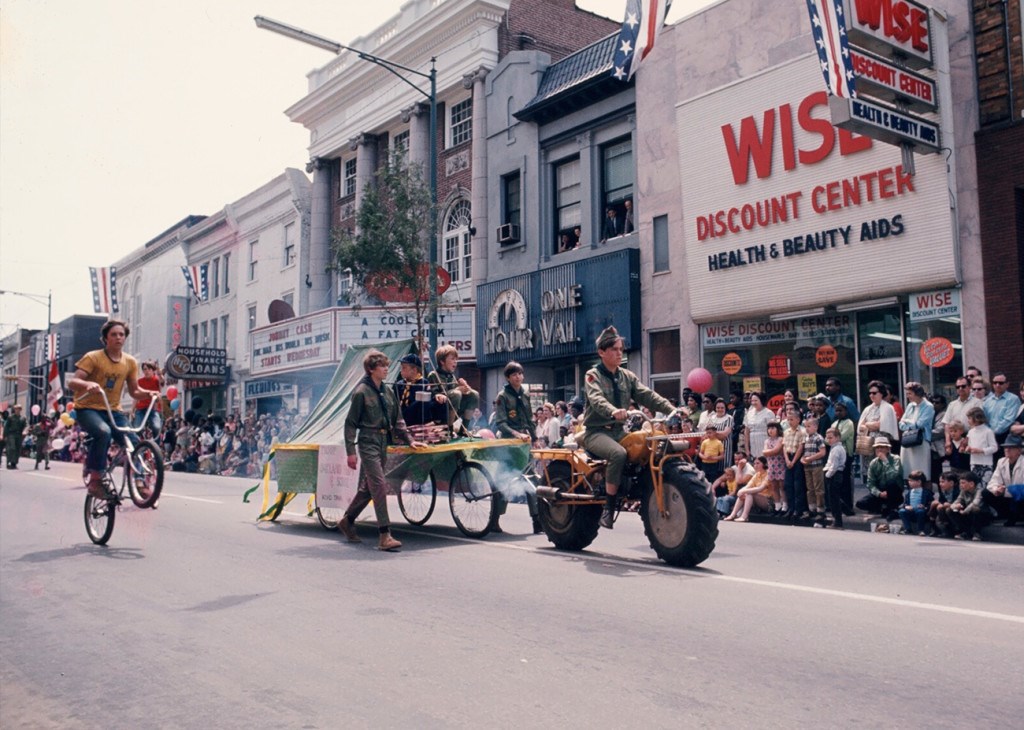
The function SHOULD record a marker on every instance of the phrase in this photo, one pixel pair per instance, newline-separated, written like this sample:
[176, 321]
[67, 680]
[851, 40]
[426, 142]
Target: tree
[387, 253]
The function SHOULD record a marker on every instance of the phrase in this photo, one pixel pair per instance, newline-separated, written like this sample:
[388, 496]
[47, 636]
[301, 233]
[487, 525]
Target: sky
[118, 118]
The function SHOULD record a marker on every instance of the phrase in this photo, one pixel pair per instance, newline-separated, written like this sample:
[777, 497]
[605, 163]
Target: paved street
[194, 615]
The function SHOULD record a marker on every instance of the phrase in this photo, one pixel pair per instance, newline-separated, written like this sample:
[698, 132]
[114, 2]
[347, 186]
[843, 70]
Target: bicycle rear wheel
[99, 518]
[473, 499]
[146, 476]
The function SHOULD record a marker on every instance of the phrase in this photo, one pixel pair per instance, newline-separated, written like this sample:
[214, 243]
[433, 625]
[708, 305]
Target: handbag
[911, 437]
[864, 445]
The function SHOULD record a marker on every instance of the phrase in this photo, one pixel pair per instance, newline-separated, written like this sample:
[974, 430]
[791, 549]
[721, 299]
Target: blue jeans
[914, 518]
[155, 422]
[98, 425]
[795, 488]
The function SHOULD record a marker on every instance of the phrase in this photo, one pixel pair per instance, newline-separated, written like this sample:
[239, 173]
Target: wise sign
[883, 26]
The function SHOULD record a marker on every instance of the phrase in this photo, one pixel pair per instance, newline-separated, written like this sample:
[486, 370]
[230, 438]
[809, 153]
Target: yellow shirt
[711, 447]
[111, 376]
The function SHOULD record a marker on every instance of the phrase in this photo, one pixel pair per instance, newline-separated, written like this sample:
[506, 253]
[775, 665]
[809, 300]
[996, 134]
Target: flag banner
[104, 289]
[52, 346]
[195, 277]
[56, 391]
[828, 26]
[644, 20]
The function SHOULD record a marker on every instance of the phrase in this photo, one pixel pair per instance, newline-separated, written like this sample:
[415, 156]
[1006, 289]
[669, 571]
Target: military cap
[607, 338]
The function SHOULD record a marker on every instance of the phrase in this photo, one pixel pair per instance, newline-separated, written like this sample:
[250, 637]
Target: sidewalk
[997, 532]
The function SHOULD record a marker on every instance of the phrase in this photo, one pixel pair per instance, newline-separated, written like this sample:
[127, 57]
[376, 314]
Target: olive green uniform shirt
[512, 414]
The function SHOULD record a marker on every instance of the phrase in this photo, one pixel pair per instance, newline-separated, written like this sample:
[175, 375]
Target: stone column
[321, 293]
[418, 118]
[478, 200]
[365, 147]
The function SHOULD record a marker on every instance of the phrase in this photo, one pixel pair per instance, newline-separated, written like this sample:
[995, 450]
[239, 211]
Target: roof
[574, 82]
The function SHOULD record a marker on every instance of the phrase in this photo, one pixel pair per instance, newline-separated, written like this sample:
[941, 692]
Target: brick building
[999, 148]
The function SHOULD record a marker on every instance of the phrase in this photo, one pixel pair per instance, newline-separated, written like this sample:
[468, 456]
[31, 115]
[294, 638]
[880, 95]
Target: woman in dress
[755, 493]
[877, 418]
[724, 426]
[918, 414]
[776, 463]
[693, 406]
[755, 421]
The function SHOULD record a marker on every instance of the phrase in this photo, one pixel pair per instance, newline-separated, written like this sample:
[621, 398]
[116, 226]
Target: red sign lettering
[902, 21]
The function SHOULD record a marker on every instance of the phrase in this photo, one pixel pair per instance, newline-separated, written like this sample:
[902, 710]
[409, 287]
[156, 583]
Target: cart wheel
[416, 499]
[329, 516]
[473, 499]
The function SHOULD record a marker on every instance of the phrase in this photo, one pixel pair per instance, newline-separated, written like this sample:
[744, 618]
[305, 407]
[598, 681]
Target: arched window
[458, 243]
[124, 302]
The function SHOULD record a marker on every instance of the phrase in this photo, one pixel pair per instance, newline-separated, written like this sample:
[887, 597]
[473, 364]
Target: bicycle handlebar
[128, 429]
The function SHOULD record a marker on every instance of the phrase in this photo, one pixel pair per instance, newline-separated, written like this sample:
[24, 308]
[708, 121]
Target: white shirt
[958, 410]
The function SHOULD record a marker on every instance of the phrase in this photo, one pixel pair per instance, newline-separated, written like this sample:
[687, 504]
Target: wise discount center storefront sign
[795, 213]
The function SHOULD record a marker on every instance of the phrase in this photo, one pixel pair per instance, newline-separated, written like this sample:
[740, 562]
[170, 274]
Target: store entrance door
[890, 373]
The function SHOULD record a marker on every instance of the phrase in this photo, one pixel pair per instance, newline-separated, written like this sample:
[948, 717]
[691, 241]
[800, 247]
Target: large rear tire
[99, 518]
[686, 535]
[567, 526]
[473, 500]
[416, 499]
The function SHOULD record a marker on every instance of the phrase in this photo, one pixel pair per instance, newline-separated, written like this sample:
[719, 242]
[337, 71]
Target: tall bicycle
[142, 477]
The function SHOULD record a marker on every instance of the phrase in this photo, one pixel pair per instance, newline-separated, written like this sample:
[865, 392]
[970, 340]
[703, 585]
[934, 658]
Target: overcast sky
[118, 118]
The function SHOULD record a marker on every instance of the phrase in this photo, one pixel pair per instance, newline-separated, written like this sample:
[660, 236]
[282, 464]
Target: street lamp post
[327, 44]
[38, 299]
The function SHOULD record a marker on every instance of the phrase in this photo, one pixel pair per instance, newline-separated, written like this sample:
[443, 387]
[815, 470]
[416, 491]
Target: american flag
[195, 275]
[56, 391]
[644, 19]
[104, 289]
[52, 346]
[829, 28]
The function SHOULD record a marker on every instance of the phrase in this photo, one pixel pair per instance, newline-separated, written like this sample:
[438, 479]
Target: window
[204, 330]
[289, 299]
[349, 182]
[252, 317]
[568, 209]
[227, 257]
[617, 188]
[661, 244]
[224, 330]
[665, 359]
[462, 122]
[345, 288]
[254, 259]
[511, 198]
[213, 333]
[289, 244]
[458, 242]
[195, 335]
[400, 143]
[215, 278]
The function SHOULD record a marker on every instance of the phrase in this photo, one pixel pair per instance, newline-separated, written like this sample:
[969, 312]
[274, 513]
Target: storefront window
[664, 349]
[934, 341]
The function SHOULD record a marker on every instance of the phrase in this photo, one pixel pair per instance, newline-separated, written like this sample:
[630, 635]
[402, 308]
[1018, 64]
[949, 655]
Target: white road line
[194, 499]
[58, 478]
[1011, 618]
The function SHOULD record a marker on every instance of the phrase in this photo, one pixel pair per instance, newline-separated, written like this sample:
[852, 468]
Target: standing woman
[693, 406]
[724, 426]
[938, 445]
[877, 418]
[755, 421]
[919, 414]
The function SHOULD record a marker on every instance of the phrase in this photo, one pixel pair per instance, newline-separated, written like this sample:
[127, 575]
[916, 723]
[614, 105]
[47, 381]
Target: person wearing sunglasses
[1001, 408]
[957, 409]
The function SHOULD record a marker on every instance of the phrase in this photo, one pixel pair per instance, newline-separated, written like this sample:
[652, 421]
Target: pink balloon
[35, 409]
[172, 393]
[485, 433]
[699, 380]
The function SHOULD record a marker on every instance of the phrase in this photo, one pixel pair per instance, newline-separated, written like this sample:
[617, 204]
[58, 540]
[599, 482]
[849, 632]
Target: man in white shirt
[957, 408]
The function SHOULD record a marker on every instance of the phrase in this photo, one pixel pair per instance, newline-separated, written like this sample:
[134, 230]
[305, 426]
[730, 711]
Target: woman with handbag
[916, 431]
[876, 419]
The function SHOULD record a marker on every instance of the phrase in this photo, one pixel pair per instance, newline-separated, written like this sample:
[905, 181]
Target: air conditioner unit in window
[508, 234]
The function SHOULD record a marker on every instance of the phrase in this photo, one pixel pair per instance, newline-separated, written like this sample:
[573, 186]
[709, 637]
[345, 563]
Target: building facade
[784, 250]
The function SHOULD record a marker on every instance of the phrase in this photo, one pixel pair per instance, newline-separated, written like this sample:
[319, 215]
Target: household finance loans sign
[774, 193]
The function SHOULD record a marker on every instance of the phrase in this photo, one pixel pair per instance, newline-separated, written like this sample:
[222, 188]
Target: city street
[195, 615]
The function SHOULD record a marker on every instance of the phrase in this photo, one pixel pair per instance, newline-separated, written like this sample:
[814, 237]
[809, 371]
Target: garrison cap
[607, 338]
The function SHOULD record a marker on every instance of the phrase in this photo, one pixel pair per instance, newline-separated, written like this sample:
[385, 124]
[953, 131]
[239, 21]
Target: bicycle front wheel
[99, 518]
[473, 499]
[416, 499]
[146, 475]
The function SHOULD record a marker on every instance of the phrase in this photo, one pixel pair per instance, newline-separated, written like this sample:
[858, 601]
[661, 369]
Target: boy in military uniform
[455, 393]
[416, 409]
[608, 389]
[512, 420]
[373, 414]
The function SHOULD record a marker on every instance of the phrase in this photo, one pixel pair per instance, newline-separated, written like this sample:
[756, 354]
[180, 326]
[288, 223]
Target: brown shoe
[348, 530]
[144, 491]
[388, 543]
[95, 487]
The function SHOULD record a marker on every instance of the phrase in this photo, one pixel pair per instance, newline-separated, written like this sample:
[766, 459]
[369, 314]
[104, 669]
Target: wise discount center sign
[779, 204]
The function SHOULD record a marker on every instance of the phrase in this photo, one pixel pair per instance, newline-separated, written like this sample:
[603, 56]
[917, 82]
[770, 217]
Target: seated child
[724, 489]
[917, 498]
[947, 492]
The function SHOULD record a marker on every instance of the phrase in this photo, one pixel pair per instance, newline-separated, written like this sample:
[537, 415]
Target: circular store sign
[936, 352]
[732, 363]
[779, 367]
[826, 356]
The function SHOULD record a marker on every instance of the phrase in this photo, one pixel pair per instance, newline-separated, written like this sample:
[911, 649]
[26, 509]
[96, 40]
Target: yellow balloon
[66, 419]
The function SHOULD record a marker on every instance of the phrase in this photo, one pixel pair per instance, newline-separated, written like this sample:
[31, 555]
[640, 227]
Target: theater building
[785, 250]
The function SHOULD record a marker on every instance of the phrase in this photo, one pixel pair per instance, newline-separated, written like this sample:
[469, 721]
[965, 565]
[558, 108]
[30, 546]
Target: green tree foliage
[387, 253]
